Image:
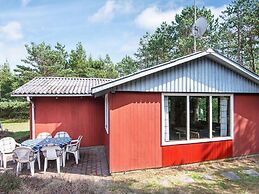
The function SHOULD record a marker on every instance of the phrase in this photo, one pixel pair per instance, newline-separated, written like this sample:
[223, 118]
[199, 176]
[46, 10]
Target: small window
[199, 117]
[106, 112]
[220, 116]
[176, 122]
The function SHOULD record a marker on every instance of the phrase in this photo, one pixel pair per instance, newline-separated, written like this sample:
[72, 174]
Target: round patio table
[37, 144]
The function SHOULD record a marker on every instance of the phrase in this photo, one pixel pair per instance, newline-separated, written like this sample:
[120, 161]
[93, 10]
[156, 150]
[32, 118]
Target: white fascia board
[50, 95]
[145, 73]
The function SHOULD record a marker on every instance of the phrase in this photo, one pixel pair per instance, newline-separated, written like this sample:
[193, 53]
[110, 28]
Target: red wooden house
[196, 108]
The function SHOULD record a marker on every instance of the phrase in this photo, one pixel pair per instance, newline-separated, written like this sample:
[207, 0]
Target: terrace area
[92, 162]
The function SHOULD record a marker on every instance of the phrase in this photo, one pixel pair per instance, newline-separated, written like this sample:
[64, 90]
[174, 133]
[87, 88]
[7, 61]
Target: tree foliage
[7, 81]
[126, 66]
[43, 60]
[236, 36]
[174, 40]
[240, 33]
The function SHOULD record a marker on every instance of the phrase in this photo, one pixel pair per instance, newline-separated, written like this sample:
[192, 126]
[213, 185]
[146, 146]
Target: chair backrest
[79, 141]
[7, 145]
[43, 135]
[61, 134]
[23, 154]
[51, 152]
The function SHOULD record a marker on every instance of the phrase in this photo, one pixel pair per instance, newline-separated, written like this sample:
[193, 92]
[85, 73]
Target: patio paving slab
[92, 162]
[230, 176]
[251, 172]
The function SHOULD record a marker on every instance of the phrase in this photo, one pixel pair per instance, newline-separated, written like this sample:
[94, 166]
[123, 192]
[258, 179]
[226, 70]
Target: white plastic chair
[43, 135]
[61, 134]
[73, 148]
[52, 152]
[7, 146]
[24, 155]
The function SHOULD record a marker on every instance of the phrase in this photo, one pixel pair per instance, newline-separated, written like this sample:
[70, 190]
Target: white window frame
[190, 141]
[106, 113]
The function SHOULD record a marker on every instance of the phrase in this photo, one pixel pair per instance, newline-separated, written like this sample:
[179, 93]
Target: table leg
[38, 158]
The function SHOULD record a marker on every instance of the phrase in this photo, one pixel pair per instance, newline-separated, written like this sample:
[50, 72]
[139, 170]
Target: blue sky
[111, 27]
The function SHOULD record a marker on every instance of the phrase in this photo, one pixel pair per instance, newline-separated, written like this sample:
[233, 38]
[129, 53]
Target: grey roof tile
[58, 86]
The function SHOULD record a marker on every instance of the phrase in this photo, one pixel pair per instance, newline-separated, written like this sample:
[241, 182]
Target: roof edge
[147, 71]
[210, 52]
[51, 95]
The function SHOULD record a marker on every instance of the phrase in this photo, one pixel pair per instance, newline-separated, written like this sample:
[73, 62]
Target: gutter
[32, 116]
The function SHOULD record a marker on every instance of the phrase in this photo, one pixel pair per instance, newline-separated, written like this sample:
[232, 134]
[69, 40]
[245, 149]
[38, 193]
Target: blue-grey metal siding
[200, 75]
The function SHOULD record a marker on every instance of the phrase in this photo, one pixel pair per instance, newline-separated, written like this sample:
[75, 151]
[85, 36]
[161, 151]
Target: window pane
[177, 117]
[199, 117]
[220, 116]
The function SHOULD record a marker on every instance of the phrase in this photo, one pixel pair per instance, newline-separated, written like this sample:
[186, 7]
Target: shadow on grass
[19, 136]
[14, 121]
[10, 183]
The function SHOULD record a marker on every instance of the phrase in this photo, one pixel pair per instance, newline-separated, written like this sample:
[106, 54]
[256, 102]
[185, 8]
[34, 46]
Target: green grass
[16, 128]
[164, 180]
[9, 182]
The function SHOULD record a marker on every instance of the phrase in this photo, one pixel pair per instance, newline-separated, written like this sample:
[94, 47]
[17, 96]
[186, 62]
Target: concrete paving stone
[251, 172]
[230, 176]
[208, 177]
[186, 179]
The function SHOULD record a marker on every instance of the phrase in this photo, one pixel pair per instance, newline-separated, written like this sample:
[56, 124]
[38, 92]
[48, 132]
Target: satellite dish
[199, 27]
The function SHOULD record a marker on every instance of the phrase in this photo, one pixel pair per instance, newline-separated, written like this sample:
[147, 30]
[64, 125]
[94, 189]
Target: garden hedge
[14, 110]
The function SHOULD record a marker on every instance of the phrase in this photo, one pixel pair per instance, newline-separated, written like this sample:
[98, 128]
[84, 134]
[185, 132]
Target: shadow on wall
[196, 152]
[246, 124]
[126, 98]
[246, 136]
[77, 116]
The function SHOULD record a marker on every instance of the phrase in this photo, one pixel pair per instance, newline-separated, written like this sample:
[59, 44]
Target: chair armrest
[74, 141]
[18, 144]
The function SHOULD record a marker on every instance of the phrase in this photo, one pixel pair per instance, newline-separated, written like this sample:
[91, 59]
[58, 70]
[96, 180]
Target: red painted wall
[197, 152]
[78, 116]
[134, 131]
[246, 124]
[135, 136]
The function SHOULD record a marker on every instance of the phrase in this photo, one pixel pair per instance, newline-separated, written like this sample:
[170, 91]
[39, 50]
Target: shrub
[14, 109]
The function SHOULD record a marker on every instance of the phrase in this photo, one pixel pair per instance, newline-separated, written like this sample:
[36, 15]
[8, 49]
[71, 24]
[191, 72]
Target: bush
[14, 109]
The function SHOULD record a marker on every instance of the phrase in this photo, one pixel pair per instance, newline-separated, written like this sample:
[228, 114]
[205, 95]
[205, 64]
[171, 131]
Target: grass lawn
[164, 180]
[18, 129]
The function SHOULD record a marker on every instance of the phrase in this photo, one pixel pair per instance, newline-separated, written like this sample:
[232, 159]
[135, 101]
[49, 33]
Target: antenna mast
[194, 38]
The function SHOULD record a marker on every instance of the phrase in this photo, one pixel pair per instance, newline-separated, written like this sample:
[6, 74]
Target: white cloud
[111, 7]
[25, 2]
[152, 17]
[105, 13]
[12, 53]
[11, 31]
[11, 43]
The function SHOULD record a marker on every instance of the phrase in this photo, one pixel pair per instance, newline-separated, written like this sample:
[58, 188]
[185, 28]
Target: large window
[194, 118]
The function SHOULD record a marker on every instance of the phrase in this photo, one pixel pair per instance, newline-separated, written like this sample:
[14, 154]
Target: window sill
[168, 143]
